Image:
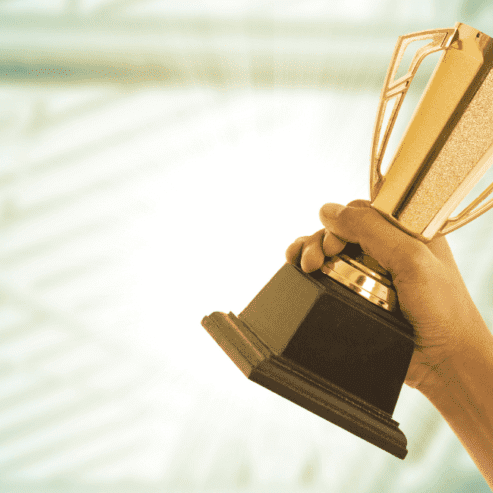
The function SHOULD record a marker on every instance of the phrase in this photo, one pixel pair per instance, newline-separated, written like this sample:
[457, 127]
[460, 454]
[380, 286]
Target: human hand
[431, 292]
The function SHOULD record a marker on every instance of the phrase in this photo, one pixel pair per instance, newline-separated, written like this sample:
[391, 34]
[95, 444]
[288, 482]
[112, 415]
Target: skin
[452, 364]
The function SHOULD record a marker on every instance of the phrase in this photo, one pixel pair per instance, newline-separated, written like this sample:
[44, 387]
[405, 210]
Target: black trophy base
[325, 348]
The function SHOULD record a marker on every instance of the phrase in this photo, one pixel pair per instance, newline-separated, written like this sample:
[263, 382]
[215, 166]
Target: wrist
[466, 372]
[462, 393]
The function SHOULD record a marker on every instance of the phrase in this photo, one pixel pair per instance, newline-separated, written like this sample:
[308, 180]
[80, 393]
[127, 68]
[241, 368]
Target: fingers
[438, 246]
[355, 204]
[310, 251]
[332, 245]
[312, 255]
[359, 223]
[293, 253]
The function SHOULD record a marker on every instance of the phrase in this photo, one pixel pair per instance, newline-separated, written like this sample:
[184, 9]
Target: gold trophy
[334, 341]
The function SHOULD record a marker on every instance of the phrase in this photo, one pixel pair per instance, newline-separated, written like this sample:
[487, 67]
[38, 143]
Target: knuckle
[351, 216]
[346, 216]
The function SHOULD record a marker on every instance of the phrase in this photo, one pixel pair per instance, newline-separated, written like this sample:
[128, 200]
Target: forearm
[463, 395]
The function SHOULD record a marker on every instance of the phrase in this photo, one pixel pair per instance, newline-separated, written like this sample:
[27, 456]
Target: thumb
[393, 249]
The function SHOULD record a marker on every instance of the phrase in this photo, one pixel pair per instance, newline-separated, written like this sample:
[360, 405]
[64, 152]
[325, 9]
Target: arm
[463, 395]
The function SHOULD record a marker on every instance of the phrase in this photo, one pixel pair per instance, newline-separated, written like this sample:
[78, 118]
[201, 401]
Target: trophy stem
[363, 275]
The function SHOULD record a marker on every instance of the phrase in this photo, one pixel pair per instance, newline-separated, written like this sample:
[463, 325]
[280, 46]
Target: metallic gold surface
[447, 146]
[397, 90]
[373, 286]
[447, 179]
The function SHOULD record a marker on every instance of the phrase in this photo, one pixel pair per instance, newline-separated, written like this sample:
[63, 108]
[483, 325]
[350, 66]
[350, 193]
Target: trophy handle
[441, 40]
[469, 213]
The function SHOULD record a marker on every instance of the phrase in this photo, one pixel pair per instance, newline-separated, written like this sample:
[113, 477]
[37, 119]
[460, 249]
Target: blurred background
[157, 158]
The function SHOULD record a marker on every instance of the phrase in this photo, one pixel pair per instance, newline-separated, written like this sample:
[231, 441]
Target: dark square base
[315, 342]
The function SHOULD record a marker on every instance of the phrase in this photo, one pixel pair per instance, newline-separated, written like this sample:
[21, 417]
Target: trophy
[334, 341]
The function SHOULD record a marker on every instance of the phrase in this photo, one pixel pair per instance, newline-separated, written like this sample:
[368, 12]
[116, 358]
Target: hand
[430, 289]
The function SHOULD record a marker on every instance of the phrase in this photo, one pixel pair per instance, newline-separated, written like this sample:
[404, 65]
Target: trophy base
[326, 349]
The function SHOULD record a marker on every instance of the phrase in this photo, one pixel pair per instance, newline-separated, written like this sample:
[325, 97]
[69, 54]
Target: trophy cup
[334, 341]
